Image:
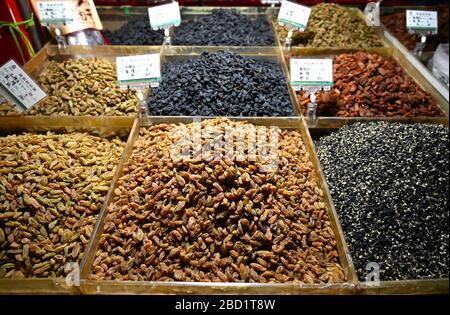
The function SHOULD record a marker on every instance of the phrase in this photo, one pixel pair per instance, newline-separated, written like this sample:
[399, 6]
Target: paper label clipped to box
[311, 73]
[422, 21]
[18, 88]
[57, 12]
[137, 71]
[164, 16]
[293, 14]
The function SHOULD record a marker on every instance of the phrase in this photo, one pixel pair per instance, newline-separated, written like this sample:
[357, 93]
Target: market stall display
[369, 85]
[204, 219]
[221, 84]
[52, 187]
[77, 87]
[85, 86]
[225, 28]
[395, 211]
[200, 26]
[139, 218]
[81, 81]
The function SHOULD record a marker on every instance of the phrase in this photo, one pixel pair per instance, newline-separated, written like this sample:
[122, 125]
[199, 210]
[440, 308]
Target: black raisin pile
[390, 186]
[135, 32]
[224, 28]
[221, 84]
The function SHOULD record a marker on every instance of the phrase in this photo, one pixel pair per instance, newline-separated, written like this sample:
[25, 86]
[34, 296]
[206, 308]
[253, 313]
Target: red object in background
[9, 12]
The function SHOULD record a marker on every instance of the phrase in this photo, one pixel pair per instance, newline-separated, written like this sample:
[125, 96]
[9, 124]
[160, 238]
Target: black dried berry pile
[135, 32]
[221, 84]
[224, 28]
[390, 185]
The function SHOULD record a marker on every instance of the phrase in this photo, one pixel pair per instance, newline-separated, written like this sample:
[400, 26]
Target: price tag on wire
[56, 12]
[311, 74]
[271, 2]
[423, 22]
[18, 88]
[293, 14]
[141, 70]
[372, 13]
[164, 16]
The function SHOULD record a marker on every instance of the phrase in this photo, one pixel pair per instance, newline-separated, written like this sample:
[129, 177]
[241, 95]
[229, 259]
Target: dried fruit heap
[193, 220]
[86, 86]
[52, 187]
[370, 85]
[390, 186]
[135, 32]
[331, 25]
[221, 84]
[396, 23]
[225, 28]
[7, 109]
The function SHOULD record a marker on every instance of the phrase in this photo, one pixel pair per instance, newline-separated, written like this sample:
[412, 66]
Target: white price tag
[139, 70]
[164, 16]
[372, 13]
[57, 12]
[18, 88]
[270, 1]
[306, 73]
[293, 14]
[422, 21]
